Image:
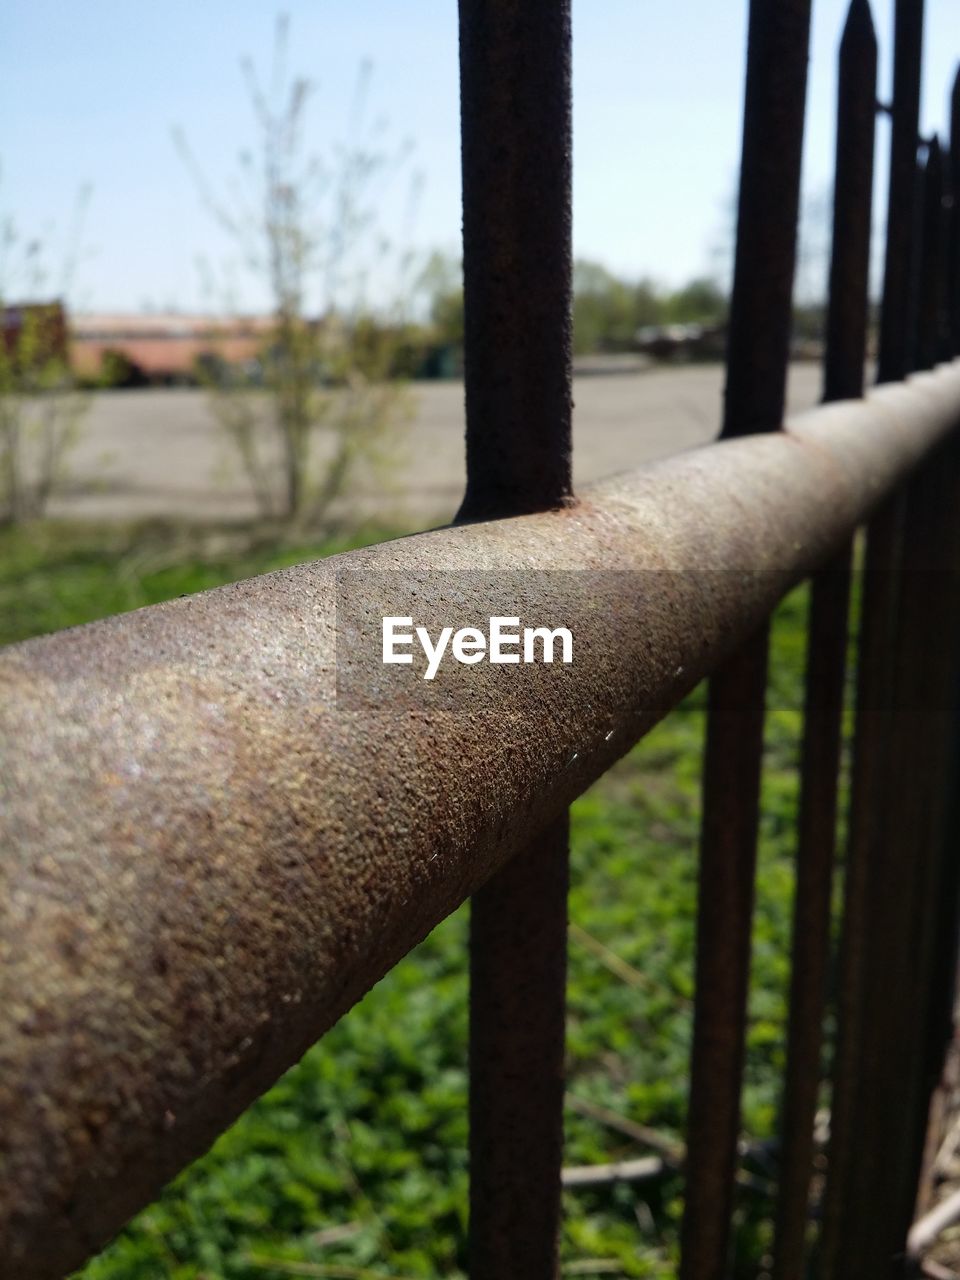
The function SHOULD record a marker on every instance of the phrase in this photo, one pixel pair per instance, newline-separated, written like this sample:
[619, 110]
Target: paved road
[161, 453]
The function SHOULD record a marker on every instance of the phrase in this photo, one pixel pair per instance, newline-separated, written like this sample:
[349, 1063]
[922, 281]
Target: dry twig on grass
[925, 1232]
[619, 967]
[670, 1148]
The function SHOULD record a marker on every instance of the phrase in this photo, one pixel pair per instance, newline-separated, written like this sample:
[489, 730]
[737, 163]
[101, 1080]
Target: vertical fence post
[516, 131]
[517, 260]
[863, 1232]
[953, 265]
[946, 942]
[847, 301]
[517, 1005]
[912, 865]
[924, 689]
[898, 308]
[757, 355]
[931, 292]
[846, 329]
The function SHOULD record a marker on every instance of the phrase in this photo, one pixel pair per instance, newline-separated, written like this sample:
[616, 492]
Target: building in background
[162, 348]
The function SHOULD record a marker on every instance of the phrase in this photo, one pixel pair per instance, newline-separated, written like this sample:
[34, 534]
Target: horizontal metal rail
[206, 859]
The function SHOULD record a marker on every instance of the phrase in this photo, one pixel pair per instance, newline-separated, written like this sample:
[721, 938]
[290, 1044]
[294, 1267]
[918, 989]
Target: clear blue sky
[89, 92]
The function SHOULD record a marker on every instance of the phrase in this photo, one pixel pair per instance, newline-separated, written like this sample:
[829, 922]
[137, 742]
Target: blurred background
[237, 233]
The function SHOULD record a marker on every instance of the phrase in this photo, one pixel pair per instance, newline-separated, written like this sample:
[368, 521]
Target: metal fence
[208, 860]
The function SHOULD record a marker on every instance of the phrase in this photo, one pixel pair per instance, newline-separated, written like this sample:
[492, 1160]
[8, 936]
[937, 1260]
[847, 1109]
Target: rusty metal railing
[209, 858]
[210, 852]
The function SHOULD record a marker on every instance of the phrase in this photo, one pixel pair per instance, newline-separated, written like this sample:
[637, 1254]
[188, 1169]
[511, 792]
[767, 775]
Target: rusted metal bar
[826, 647]
[846, 327]
[931, 318]
[944, 964]
[905, 876]
[208, 857]
[925, 709]
[882, 1071]
[727, 859]
[760, 316]
[946, 926]
[517, 265]
[515, 76]
[929, 636]
[820, 762]
[757, 354]
[518, 961]
[871, 732]
[898, 309]
[860, 1178]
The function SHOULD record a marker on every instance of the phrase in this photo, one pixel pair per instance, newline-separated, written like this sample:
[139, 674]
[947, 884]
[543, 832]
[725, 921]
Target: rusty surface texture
[517, 266]
[826, 650]
[757, 351]
[207, 859]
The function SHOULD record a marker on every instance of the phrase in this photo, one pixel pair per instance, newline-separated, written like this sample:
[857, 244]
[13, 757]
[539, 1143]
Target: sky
[90, 94]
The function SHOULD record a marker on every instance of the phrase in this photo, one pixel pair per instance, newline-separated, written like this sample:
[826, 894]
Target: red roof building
[164, 347]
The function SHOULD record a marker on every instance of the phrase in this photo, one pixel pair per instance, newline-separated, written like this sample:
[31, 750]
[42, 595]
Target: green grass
[354, 1164]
